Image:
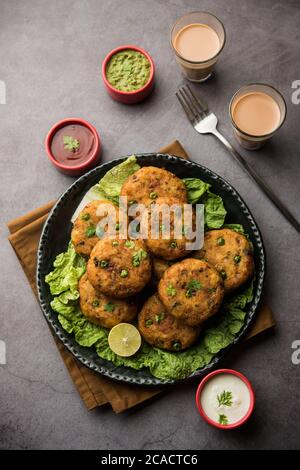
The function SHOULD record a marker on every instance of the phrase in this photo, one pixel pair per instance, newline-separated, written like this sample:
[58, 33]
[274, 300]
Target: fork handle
[259, 180]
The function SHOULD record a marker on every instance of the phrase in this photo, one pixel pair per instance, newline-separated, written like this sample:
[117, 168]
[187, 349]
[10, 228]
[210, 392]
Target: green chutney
[128, 70]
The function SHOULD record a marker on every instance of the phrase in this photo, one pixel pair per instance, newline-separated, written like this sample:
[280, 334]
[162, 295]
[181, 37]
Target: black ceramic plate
[56, 236]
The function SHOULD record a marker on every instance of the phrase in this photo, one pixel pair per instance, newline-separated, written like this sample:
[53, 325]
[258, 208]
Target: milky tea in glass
[256, 111]
[197, 40]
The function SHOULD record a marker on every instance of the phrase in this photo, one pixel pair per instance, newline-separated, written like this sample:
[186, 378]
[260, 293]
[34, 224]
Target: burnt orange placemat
[94, 389]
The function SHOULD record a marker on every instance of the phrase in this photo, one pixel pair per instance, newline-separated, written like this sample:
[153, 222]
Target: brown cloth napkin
[94, 389]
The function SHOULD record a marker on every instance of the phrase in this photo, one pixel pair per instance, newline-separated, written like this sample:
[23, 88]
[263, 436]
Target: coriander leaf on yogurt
[225, 398]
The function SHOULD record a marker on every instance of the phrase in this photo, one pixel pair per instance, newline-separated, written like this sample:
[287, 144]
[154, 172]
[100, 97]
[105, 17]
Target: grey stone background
[50, 56]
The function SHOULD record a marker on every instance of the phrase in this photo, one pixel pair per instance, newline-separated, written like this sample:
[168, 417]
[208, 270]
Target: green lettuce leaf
[195, 189]
[240, 300]
[214, 210]
[111, 183]
[236, 227]
[68, 268]
[73, 321]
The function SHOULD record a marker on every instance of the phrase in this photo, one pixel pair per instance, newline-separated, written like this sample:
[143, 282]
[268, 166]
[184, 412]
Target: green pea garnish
[90, 232]
[159, 317]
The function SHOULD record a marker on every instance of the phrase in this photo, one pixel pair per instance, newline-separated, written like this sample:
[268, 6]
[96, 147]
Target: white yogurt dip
[225, 399]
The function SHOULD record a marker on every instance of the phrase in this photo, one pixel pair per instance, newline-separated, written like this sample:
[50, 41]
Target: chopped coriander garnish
[124, 273]
[223, 420]
[159, 317]
[176, 345]
[237, 259]
[192, 287]
[130, 244]
[148, 322]
[70, 143]
[90, 231]
[225, 398]
[171, 291]
[115, 243]
[95, 303]
[153, 195]
[223, 275]
[103, 263]
[109, 307]
[138, 257]
[173, 245]
[220, 241]
[85, 216]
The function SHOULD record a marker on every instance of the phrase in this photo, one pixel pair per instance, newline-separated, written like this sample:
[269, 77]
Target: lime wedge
[124, 339]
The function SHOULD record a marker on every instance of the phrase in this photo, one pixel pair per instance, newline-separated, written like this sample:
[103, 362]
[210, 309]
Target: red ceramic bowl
[201, 410]
[82, 168]
[129, 97]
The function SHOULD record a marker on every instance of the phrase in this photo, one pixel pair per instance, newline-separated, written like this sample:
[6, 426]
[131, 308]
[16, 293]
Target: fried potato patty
[231, 254]
[102, 310]
[84, 235]
[149, 183]
[161, 329]
[119, 268]
[191, 290]
[166, 243]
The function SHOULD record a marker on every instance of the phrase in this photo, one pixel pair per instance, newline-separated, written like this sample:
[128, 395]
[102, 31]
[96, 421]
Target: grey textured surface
[50, 58]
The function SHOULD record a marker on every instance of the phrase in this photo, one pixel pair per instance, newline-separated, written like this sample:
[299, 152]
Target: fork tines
[194, 107]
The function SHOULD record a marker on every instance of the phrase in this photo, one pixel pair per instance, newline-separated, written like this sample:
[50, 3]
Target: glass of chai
[256, 110]
[197, 39]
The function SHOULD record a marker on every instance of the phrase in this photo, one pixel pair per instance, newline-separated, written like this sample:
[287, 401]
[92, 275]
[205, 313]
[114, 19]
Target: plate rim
[64, 337]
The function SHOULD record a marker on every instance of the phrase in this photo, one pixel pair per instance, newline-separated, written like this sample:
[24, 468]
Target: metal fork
[205, 122]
